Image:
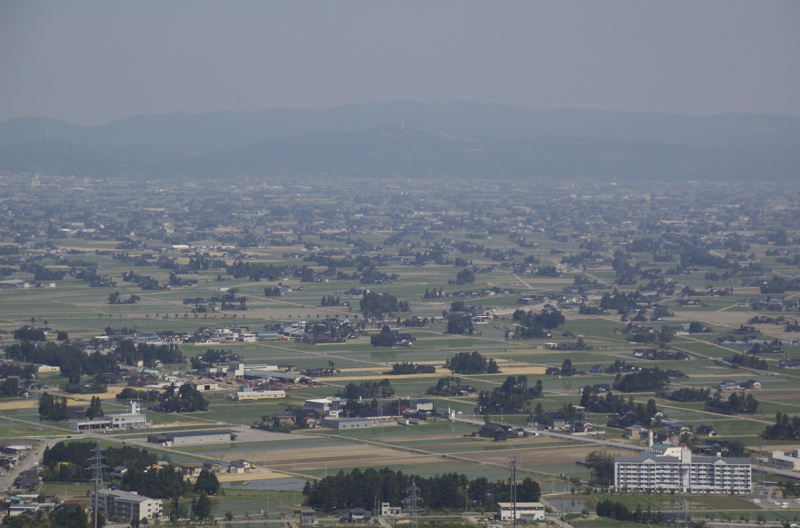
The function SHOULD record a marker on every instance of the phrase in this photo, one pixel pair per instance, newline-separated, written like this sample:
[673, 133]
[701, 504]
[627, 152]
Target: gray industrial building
[191, 438]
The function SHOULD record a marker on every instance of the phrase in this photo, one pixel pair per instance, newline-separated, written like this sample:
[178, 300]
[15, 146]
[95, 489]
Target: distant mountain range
[414, 140]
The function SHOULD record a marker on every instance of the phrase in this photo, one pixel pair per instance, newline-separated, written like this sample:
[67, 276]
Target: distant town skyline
[92, 62]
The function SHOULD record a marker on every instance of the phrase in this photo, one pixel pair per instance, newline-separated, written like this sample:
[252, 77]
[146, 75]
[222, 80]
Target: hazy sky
[91, 62]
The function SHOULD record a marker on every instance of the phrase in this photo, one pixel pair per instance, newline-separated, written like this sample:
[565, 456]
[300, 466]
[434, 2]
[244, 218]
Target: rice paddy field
[431, 448]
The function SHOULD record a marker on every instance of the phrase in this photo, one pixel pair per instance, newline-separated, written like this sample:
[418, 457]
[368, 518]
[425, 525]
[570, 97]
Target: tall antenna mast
[97, 466]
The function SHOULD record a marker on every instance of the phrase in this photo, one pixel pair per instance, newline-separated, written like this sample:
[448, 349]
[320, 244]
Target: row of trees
[737, 403]
[367, 389]
[450, 491]
[645, 380]
[620, 512]
[411, 368]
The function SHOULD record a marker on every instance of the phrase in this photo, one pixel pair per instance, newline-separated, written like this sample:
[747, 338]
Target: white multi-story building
[135, 419]
[674, 468]
[126, 506]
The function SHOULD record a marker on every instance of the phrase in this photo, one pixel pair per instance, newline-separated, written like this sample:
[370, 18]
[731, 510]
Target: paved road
[29, 463]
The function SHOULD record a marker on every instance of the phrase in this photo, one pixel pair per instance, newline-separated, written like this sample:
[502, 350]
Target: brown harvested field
[785, 395]
[506, 367]
[533, 456]
[532, 453]
[303, 460]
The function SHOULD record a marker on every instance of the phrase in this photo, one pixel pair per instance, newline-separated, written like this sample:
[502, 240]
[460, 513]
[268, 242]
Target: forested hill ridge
[414, 140]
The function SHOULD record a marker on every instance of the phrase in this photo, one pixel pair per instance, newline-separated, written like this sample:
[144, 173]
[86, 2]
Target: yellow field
[259, 474]
[81, 398]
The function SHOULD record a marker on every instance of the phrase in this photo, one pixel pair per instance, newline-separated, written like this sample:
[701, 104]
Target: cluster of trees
[158, 483]
[330, 300]
[459, 324]
[367, 389]
[52, 408]
[748, 361]
[645, 380]
[145, 282]
[207, 482]
[374, 304]
[185, 399]
[620, 512]
[785, 428]
[9, 387]
[602, 465]
[8, 370]
[70, 357]
[649, 336]
[62, 516]
[42, 273]
[68, 461]
[147, 396]
[594, 402]
[513, 396]
[411, 368]
[532, 325]
[255, 271]
[471, 363]
[128, 353]
[450, 491]
[620, 301]
[465, 276]
[213, 356]
[29, 333]
[435, 294]
[95, 409]
[389, 338]
[628, 412]
[688, 394]
[448, 386]
[780, 285]
[737, 403]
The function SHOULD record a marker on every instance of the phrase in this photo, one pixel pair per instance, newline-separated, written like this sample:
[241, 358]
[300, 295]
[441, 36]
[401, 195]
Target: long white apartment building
[675, 468]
